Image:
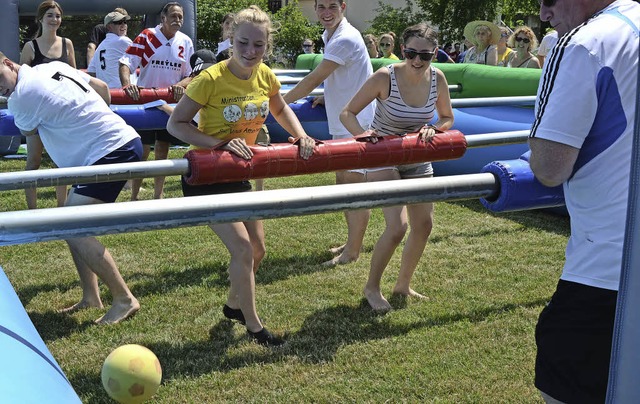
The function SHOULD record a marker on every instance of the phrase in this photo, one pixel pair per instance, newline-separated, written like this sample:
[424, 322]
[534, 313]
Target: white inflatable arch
[9, 30]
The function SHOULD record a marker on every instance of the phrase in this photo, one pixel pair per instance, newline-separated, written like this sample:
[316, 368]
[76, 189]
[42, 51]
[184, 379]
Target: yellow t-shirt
[502, 61]
[233, 107]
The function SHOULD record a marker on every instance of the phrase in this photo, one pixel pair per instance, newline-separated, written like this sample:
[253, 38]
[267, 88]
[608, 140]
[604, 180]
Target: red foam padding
[118, 96]
[279, 160]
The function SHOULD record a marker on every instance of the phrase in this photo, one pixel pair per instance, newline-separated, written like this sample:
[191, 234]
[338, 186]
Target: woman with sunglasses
[408, 94]
[523, 40]
[387, 42]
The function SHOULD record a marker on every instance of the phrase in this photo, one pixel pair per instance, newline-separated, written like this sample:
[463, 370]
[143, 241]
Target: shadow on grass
[27, 293]
[321, 336]
[214, 274]
[52, 325]
[543, 219]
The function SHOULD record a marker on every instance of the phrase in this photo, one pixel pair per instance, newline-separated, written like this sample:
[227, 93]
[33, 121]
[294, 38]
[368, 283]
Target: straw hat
[470, 29]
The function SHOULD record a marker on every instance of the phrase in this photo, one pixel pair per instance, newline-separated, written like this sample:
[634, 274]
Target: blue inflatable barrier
[519, 189]
[135, 115]
[28, 371]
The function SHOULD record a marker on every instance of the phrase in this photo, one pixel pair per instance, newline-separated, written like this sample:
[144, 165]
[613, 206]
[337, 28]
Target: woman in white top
[408, 94]
[523, 40]
[484, 36]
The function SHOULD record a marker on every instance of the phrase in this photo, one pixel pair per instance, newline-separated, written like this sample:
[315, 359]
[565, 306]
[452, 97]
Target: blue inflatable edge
[519, 189]
[26, 363]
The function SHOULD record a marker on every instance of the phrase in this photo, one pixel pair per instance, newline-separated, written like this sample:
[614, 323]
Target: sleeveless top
[522, 64]
[394, 117]
[480, 58]
[39, 58]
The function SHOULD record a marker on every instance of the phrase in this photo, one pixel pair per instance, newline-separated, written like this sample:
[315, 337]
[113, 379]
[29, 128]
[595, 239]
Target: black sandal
[265, 338]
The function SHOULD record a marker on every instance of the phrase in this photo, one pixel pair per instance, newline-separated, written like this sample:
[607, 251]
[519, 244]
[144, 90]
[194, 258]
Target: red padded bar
[118, 96]
[279, 160]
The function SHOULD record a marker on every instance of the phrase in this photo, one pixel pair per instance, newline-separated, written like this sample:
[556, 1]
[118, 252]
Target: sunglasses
[424, 56]
[547, 3]
[525, 40]
[385, 45]
[119, 22]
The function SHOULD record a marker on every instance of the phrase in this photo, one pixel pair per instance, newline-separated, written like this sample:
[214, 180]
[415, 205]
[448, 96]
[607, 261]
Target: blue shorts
[214, 189]
[109, 191]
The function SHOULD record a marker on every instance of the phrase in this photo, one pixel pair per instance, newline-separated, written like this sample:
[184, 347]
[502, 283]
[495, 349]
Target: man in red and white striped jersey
[163, 54]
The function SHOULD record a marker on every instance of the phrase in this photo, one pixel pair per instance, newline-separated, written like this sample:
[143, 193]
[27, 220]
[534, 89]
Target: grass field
[487, 276]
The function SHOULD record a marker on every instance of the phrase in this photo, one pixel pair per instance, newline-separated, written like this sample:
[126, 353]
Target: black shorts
[149, 137]
[214, 189]
[574, 336]
[109, 191]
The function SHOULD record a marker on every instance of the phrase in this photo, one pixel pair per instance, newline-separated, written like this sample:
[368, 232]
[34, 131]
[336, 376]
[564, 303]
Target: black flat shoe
[265, 338]
[233, 314]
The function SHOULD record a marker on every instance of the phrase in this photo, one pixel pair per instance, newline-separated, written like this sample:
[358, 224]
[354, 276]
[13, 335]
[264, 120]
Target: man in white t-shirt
[547, 43]
[582, 138]
[344, 69]
[106, 65]
[163, 54]
[70, 111]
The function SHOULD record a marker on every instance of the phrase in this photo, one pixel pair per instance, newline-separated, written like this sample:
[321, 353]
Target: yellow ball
[131, 374]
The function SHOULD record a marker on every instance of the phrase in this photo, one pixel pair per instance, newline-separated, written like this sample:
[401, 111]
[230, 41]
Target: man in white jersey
[70, 111]
[106, 66]
[547, 43]
[582, 138]
[163, 54]
[344, 69]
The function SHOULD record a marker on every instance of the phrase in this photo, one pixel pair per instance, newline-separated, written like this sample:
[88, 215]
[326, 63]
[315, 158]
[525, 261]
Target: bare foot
[410, 293]
[337, 250]
[81, 305]
[119, 311]
[377, 301]
[341, 259]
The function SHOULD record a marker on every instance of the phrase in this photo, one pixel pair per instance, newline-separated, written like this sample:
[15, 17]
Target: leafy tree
[389, 18]
[292, 26]
[210, 13]
[451, 16]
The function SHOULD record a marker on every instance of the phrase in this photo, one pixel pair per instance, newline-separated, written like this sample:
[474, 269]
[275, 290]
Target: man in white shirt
[106, 65]
[344, 69]
[70, 111]
[582, 138]
[547, 43]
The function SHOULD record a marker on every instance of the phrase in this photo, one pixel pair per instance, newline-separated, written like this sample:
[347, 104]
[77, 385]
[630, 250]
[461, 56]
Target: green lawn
[487, 276]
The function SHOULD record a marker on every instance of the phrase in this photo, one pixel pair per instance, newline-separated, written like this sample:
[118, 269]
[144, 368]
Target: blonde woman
[387, 43]
[523, 40]
[46, 47]
[484, 36]
[251, 86]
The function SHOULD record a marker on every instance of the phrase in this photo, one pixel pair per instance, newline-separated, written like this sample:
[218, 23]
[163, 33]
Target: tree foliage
[393, 19]
[451, 16]
[292, 26]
